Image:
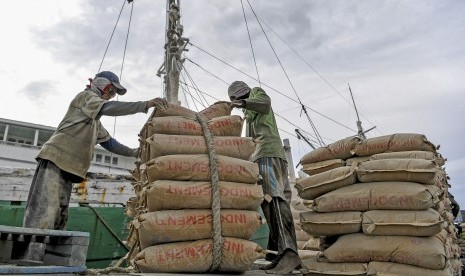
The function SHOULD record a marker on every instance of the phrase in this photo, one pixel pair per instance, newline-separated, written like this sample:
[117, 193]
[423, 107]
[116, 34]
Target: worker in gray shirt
[65, 158]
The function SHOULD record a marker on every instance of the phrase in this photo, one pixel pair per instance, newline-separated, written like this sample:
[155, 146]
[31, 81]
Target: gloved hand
[238, 103]
[159, 103]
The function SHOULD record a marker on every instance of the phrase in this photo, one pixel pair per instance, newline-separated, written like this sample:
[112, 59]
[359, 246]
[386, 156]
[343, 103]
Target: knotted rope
[216, 207]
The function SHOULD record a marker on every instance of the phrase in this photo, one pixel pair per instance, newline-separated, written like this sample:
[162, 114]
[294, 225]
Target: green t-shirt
[261, 125]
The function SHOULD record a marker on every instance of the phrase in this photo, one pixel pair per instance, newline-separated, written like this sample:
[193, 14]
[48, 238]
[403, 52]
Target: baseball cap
[114, 80]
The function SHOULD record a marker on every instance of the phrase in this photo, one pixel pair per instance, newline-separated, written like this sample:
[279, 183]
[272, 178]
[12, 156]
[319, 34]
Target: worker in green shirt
[269, 155]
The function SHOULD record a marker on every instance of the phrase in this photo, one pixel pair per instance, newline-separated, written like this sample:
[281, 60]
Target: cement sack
[331, 224]
[300, 204]
[187, 225]
[174, 195]
[301, 235]
[215, 110]
[356, 160]
[313, 186]
[322, 166]
[338, 150]
[423, 223]
[162, 144]
[196, 257]
[426, 155]
[313, 243]
[394, 143]
[408, 170]
[196, 167]
[388, 268]
[315, 267]
[174, 125]
[426, 252]
[378, 196]
[130, 209]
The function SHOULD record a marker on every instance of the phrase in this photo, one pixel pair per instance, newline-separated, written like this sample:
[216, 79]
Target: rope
[216, 206]
[106, 225]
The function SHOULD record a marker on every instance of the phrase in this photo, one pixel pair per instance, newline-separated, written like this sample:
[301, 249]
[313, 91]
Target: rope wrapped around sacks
[216, 204]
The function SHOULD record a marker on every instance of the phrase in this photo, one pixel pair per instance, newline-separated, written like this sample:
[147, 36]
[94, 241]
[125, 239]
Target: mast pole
[361, 133]
[175, 44]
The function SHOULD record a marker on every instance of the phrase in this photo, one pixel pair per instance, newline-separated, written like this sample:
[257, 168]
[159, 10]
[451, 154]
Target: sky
[404, 61]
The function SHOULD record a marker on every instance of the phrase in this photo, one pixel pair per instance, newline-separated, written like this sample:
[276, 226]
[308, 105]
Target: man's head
[238, 90]
[114, 81]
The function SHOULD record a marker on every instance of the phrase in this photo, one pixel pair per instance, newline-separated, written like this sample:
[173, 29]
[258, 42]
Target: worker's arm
[112, 145]
[114, 108]
[258, 101]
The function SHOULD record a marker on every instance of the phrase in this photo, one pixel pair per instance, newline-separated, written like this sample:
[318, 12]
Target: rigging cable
[188, 91]
[289, 122]
[196, 89]
[317, 134]
[264, 84]
[309, 65]
[251, 46]
[111, 37]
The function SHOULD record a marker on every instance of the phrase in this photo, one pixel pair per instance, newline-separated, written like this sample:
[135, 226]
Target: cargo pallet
[64, 251]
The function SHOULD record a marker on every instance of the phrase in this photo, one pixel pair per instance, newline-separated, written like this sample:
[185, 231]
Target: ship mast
[175, 44]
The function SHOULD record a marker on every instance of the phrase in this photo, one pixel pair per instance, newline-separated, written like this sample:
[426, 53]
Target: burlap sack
[315, 267]
[389, 268]
[173, 195]
[195, 167]
[162, 144]
[187, 225]
[217, 109]
[408, 170]
[426, 252]
[322, 166]
[195, 257]
[378, 196]
[423, 223]
[427, 155]
[316, 185]
[174, 125]
[394, 143]
[338, 150]
[330, 224]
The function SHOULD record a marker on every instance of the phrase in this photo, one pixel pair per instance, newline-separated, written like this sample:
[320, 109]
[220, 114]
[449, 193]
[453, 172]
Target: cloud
[38, 91]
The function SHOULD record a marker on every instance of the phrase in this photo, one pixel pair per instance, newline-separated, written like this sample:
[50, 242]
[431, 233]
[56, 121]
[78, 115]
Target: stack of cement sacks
[304, 240]
[172, 228]
[380, 206]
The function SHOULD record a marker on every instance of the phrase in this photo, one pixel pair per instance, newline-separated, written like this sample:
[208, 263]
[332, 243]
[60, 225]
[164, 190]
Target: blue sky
[404, 60]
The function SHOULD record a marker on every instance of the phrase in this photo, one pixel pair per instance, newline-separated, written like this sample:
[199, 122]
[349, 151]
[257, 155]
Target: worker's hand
[159, 103]
[238, 103]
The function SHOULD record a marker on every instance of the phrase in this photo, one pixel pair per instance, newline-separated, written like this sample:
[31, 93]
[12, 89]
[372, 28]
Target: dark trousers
[48, 199]
[280, 222]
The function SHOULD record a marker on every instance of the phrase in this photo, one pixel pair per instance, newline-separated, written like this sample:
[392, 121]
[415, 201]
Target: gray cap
[114, 80]
[238, 89]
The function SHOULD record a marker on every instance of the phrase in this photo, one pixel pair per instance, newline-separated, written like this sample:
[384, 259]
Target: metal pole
[361, 133]
[290, 163]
